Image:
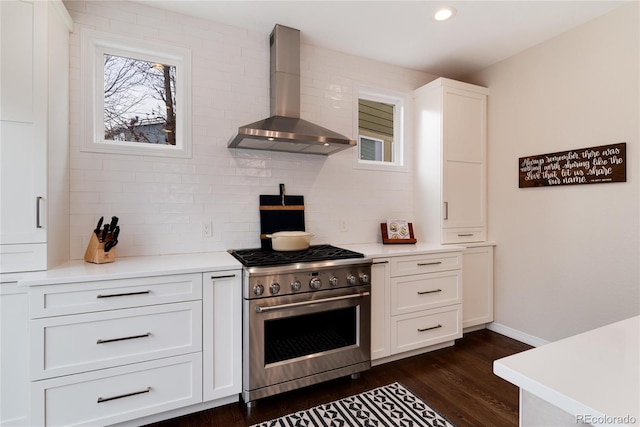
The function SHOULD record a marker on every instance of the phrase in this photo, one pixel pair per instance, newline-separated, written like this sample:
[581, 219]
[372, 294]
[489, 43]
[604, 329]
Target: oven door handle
[260, 309]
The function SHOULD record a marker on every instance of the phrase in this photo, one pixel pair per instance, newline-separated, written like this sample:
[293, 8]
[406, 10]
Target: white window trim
[94, 45]
[399, 129]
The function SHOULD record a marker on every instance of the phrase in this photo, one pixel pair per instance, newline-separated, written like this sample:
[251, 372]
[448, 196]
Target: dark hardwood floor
[457, 381]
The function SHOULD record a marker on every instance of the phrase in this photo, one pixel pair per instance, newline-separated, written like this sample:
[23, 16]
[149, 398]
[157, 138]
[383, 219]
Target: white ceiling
[403, 32]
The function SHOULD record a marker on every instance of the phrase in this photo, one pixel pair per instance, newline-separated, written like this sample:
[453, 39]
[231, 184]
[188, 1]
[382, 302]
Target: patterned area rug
[391, 405]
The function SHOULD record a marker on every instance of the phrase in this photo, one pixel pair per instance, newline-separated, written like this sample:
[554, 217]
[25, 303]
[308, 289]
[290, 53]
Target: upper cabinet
[450, 168]
[34, 135]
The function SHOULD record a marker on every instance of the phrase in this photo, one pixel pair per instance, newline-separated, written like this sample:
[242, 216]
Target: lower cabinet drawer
[118, 394]
[424, 291]
[72, 344]
[464, 235]
[422, 329]
[103, 295]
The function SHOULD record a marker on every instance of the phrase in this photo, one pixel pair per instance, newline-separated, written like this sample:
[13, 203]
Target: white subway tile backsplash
[162, 202]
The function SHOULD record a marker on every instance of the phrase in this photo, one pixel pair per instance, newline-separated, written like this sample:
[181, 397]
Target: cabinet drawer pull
[123, 295]
[466, 235]
[429, 292]
[446, 210]
[381, 262]
[228, 276]
[38, 202]
[132, 337]
[428, 329]
[133, 393]
[422, 264]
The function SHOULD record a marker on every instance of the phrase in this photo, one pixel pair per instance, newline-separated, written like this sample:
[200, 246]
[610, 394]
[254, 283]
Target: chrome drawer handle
[133, 337]
[422, 264]
[429, 292]
[381, 262]
[465, 235]
[228, 276]
[428, 329]
[133, 393]
[123, 295]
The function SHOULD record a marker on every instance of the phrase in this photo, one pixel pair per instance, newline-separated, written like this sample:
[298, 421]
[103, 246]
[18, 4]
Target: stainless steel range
[306, 317]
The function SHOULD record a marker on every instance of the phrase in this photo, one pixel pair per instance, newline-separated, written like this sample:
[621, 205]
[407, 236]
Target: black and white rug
[390, 406]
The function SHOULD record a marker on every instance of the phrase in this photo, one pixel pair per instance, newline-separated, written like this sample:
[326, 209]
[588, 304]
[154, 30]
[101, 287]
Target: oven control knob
[315, 283]
[296, 285]
[274, 288]
[351, 279]
[364, 279]
[258, 290]
[333, 281]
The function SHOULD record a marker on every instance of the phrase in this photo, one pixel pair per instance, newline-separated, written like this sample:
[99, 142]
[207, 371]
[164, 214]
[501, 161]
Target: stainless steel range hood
[285, 130]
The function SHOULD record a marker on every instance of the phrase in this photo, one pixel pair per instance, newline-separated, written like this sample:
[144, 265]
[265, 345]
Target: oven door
[303, 335]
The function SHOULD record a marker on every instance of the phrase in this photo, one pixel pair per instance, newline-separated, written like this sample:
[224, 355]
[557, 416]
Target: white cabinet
[118, 394]
[222, 334]
[450, 168]
[416, 303]
[34, 135]
[108, 351]
[478, 286]
[14, 347]
[380, 297]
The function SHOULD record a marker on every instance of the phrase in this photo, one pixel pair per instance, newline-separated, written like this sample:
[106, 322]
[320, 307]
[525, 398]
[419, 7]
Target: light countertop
[126, 267]
[140, 266]
[595, 373]
[379, 250]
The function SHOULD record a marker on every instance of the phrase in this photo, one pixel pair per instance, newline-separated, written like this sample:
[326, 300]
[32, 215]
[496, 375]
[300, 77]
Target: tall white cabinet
[450, 184]
[450, 148]
[34, 134]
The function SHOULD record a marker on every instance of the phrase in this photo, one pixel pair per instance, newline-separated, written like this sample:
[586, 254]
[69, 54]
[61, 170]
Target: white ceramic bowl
[290, 240]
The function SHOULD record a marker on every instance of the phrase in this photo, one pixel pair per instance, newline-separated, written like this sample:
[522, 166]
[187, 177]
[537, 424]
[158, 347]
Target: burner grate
[258, 257]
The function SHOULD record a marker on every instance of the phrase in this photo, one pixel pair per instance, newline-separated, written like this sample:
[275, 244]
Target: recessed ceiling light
[445, 14]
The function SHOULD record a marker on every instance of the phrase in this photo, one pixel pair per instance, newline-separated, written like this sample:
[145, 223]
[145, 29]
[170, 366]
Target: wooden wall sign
[593, 165]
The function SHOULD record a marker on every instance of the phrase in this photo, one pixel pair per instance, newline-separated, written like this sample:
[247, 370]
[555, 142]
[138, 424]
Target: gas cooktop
[260, 257]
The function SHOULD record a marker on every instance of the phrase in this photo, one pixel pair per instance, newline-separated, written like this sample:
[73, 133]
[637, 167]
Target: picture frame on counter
[397, 232]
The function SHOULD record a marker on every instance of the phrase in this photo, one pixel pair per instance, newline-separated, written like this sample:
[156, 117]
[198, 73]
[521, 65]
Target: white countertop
[140, 266]
[125, 267]
[594, 373]
[379, 250]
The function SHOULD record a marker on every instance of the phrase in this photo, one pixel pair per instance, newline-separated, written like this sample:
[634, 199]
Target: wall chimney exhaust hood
[285, 130]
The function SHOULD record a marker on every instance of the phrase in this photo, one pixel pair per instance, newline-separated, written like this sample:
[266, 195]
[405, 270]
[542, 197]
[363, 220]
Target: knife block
[95, 251]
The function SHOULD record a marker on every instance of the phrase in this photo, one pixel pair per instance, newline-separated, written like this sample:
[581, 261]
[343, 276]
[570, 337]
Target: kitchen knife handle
[38, 201]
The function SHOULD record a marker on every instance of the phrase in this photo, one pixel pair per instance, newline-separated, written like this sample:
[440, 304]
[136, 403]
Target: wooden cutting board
[276, 216]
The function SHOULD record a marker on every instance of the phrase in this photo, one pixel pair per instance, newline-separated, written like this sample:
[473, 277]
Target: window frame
[94, 45]
[399, 101]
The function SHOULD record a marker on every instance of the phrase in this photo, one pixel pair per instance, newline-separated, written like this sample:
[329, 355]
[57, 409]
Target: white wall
[567, 258]
[162, 203]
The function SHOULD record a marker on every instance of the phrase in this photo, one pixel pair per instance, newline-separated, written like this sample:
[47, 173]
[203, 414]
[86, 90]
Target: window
[371, 148]
[380, 126]
[136, 96]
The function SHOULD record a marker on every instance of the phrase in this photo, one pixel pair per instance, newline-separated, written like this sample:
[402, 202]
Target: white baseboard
[516, 334]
